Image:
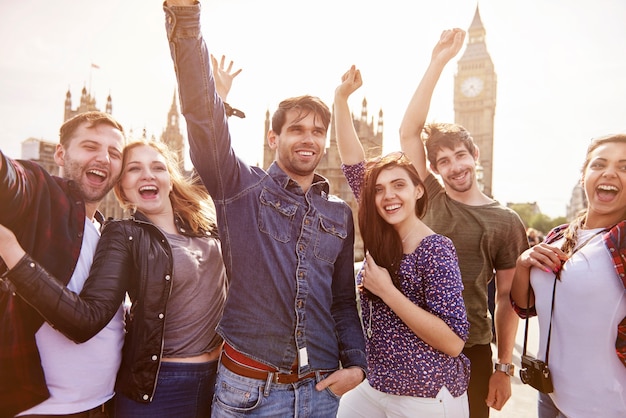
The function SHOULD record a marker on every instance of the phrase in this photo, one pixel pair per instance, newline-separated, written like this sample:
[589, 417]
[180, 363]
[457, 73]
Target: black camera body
[535, 373]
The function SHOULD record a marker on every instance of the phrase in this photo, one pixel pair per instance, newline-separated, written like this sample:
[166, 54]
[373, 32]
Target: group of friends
[234, 294]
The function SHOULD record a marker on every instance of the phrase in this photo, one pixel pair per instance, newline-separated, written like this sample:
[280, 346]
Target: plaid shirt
[47, 214]
[615, 241]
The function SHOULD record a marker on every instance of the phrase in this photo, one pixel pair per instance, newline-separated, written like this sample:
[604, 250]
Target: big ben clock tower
[475, 97]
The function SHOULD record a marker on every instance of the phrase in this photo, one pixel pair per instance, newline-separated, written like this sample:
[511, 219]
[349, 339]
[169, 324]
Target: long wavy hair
[380, 238]
[190, 200]
[571, 232]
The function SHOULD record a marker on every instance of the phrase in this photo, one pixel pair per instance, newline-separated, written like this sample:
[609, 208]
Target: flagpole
[90, 72]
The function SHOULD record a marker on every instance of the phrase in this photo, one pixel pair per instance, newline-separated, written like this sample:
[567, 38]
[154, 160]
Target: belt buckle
[284, 378]
[277, 377]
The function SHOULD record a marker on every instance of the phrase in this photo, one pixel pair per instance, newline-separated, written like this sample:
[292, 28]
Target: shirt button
[161, 316]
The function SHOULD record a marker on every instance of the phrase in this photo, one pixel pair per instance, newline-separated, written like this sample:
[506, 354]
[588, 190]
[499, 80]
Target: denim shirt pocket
[276, 215]
[330, 239]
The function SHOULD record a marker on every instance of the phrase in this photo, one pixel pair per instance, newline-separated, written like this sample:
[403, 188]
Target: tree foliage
[538, 221]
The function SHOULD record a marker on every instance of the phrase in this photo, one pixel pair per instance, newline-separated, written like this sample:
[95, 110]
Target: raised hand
[223, 76]
[450, 43]
[350, 81]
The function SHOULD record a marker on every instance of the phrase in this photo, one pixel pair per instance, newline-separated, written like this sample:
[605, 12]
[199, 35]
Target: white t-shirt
[80, 376]
[589, 379]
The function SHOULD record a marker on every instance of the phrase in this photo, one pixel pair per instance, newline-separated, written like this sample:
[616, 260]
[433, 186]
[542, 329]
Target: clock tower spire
[475, 97]
[171, 135]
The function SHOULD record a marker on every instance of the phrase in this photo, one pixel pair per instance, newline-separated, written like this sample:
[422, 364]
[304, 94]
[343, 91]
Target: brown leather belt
[246, 371]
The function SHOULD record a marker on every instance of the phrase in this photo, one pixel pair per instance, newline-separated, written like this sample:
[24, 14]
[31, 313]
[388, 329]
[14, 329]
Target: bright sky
[561, 67]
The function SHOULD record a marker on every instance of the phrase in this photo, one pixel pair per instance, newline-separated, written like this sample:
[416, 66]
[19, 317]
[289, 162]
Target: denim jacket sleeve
[347, 323]
[222, 172]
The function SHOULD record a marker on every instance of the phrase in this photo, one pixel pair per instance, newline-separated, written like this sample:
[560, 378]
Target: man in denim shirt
[293, 339]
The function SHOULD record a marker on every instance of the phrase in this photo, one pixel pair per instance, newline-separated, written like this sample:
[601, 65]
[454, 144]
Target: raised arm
[350, 148]
[447, 47]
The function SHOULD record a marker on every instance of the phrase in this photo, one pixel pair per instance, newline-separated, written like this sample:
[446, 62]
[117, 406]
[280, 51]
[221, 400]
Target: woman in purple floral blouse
[410, 287]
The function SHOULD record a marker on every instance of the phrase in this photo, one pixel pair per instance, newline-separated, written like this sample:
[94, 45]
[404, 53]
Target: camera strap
[556, 277]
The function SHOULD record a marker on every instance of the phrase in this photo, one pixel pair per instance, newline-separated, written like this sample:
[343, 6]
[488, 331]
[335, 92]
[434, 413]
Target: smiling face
[396, 196]
[300, 145]
[92, 158]
[145, 181]
[604, 179]
[457, 168]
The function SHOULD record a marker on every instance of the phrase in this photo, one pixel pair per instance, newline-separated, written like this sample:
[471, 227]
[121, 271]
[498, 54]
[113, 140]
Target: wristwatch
[507, 368]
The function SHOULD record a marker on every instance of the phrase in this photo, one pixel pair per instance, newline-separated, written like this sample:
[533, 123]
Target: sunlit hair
[571, 232]
[92, 119]
[303, 105]
[379, 237]
[190, 200]
[437, 136]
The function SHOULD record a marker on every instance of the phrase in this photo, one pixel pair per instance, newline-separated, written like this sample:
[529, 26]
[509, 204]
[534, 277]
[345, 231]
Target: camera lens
[523, 374]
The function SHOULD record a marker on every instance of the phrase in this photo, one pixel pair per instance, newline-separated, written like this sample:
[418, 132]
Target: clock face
[472, 86]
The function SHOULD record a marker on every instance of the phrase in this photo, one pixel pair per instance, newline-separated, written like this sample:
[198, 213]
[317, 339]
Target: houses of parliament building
[475, 86]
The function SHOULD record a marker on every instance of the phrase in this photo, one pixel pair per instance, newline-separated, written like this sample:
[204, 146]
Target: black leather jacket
[133, 256]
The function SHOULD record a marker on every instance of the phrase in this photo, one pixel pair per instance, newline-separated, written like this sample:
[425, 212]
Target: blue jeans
[238, 396]
[182, 390]
[546, 408]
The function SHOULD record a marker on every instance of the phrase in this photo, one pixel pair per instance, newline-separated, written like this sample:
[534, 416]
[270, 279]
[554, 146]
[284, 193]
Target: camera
[536, 373]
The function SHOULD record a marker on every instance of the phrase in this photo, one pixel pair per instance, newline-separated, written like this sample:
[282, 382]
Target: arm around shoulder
[78, 317]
